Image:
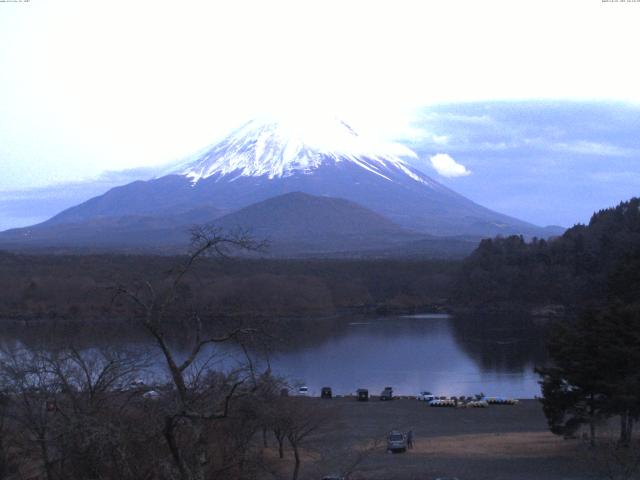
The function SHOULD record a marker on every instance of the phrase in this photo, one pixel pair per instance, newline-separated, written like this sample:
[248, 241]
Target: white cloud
[440, 139]
[447, 166]
[592, 148]
[579, 147]
[460, 118]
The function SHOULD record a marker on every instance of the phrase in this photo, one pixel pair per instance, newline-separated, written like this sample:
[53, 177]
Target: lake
[421, 352]
[465, 355]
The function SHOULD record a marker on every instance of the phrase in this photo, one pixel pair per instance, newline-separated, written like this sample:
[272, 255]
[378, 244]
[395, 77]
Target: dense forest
[80, 287]
[592, 374]
[588, 266]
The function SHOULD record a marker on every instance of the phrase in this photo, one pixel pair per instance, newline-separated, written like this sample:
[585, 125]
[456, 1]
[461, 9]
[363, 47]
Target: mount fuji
[267, 158]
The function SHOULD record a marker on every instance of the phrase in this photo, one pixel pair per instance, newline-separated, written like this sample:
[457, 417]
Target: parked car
[387, 394]
[303, 391]
[326, 392]
[425, 396]
[151, 394]
[396, 441]
[363, 395]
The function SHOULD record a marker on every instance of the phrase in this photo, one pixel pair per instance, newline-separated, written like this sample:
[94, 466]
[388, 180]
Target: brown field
[499, 442]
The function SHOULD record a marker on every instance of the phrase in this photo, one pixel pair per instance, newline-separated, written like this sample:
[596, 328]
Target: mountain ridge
[294, 224]
[263, 160]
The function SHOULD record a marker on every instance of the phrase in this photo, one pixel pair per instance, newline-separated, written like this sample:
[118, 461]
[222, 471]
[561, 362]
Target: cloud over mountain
[446, 166]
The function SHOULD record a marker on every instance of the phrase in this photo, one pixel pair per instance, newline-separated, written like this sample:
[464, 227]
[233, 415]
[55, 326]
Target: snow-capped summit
[278, 147]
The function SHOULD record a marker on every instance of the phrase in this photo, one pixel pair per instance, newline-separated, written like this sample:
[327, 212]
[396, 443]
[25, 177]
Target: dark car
[326, 392]
[387, 394]
[363, 395]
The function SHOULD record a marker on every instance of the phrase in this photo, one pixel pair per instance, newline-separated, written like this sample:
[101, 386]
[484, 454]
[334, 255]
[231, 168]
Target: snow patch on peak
[280, 147]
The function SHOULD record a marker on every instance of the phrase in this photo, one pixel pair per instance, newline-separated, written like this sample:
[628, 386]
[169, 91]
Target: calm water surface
[447, 356]
[420, 352]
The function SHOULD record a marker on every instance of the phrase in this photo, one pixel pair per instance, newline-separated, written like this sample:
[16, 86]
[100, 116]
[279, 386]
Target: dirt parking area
[498, 442]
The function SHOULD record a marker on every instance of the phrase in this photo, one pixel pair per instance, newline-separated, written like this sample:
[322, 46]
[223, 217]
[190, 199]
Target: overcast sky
[87, 87]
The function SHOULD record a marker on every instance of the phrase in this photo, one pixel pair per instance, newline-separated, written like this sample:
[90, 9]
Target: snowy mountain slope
[281, 148]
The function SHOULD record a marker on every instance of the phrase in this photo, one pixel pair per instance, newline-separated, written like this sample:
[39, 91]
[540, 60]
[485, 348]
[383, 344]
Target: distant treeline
[81, 287]
[588, 266]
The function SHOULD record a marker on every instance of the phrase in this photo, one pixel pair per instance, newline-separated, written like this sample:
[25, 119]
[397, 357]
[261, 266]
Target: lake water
[447, 356]
[420, 352]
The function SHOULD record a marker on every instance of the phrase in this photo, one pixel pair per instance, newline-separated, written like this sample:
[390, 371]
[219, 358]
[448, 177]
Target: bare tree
[6, 463]
[279, 421]
[66, 411]
[33, 394]
[194, 408]
[301, 424]
[91, 380]
[267, 396]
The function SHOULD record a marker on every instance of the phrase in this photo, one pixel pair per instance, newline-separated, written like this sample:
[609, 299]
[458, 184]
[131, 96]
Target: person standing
[410, 439]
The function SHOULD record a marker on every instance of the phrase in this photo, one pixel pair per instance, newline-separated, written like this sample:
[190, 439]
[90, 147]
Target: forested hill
[80, 287]
[587, 266]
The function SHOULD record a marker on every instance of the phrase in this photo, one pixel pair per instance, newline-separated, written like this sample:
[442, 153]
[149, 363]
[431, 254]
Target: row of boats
[476, 401]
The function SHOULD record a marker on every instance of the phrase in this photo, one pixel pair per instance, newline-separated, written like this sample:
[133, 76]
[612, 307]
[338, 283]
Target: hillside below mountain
[293, 224]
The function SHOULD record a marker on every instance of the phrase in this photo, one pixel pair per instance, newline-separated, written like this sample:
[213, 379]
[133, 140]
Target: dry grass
[499, 445]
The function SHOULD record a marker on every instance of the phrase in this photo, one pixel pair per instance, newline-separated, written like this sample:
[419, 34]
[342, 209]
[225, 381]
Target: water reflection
[505, 343]
[431, 352]
[448, 356]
